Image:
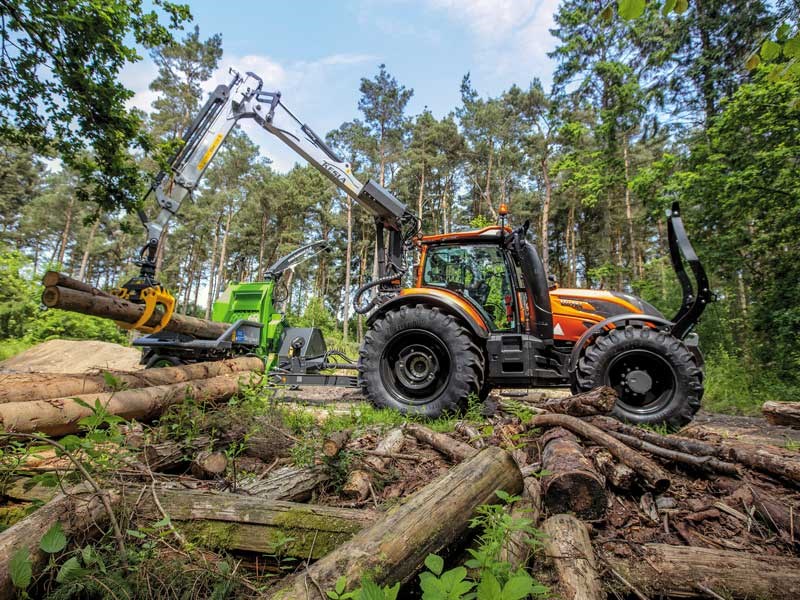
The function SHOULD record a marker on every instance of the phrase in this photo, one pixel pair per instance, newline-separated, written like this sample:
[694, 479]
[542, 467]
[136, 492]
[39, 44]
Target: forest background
[641, 113]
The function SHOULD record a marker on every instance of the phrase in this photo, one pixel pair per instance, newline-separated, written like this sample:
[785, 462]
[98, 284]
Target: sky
[316, 52]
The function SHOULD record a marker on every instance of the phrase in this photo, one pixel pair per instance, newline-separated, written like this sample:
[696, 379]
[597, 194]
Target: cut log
[568, 546]
[395, 546]
[518, 545]
[450, 447]
[165, 456]
[208, 465]
[619, 475]
[54, 278]
[572, 484]
[75, 511]
[474, 437]
[334, 443]
[239, 522]
[42, 386]
[111, 307]
[286, 483]
[652, 473]
[60, 416]
[782, 413]
[359, 481]
[750, 455]
[599, 401]
[772, 511]
[689, 572]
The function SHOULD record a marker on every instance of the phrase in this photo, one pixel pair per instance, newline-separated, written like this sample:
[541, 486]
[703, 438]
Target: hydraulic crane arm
[243, 98]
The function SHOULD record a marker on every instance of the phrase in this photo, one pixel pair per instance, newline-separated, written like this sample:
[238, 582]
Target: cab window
[480, 274]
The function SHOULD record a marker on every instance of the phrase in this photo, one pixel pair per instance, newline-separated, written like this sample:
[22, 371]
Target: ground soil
[71, 356]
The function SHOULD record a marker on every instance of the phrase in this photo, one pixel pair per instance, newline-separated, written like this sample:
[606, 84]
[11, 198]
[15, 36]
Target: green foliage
[69, 54]
[20, 568]
[17, 304]
[54, 323]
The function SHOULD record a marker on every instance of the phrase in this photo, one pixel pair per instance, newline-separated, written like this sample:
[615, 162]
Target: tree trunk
[548, 191]
[568, 546]
[287, 483]
[572, 485]
[223, 254]
[618, 474]
[88, 250]
[166, 456]
[41, 386]
[332, 445]
[421, 193]
[65, 232]
[208, 465]
[689, 572]
[110, 307]
[348, 259]
[162, 244]
[655, 476]
[635, 271]
[452, 448]
[254, 524]
[76, 511]
[60, 416]
[54, 278]
[395, 546]
[262, 246]
[782, 413]
[598, 401]
[211, 266]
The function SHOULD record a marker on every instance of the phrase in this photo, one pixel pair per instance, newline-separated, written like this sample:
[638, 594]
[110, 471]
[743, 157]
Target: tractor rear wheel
[419, 360]
[655, 375]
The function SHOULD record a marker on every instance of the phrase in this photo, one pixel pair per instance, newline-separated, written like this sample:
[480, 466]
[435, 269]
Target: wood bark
[618, 474]
[568, 546]
[109, 307]
[348, 272]
[333, 444]
[88, 249]
[749, 455]
[688, 572]
[253, 524]
[545, 227]
[60, 416]
[450, 447]
[54, 278]
[652, 473]
[395, 546]
[286, 483]
[782, 413]
[598, 401]
[573, 485]
[77, 510]
[518, 545]
[166, 456]
[41, 386]
[359, 481]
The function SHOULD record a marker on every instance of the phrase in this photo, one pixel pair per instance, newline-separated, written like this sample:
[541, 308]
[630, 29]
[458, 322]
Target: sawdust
[70, 356]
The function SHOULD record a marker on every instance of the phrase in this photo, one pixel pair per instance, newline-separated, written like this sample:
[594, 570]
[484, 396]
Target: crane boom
[243, 98]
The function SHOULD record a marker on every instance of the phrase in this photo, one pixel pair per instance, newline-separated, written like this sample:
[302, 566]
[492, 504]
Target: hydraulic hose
[362, 310]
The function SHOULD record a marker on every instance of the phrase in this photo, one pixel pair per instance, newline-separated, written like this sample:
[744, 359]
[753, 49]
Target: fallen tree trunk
[111, 307]
[690, 572]
[568, 546]
[652, 473]
[60, 416]
[618, 474]
[572, 485]
[165, 456]
[75, 511]
[253, 524]
[286, 483]
[598, 401]
[359, 481]
[518, 545]
[782, 413]
[749, 455]
[450, 447]
[394, 547]
[42, 386]
[333, 444]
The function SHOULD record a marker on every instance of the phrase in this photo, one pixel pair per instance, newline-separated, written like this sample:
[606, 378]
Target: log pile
[621, 511]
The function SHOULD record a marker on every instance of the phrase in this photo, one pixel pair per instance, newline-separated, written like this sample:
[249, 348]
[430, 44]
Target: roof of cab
[486, 234]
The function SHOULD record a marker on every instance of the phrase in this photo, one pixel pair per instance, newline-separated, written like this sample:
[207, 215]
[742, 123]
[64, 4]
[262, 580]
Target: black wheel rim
[644, 381]
[415, 367]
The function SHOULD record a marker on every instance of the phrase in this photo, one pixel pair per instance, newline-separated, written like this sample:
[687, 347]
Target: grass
[734, 387]
[9, 348]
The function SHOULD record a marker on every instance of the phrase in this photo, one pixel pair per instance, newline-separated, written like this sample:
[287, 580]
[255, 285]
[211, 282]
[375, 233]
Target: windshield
[477, 272]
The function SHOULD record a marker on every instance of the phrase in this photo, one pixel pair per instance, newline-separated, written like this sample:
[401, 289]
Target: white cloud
[512, 37]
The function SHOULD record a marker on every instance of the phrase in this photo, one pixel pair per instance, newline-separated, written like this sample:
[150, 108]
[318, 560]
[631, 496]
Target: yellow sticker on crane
[210, 152]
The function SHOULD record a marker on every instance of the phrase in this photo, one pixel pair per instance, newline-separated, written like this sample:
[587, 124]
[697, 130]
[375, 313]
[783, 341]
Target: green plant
[367, 590]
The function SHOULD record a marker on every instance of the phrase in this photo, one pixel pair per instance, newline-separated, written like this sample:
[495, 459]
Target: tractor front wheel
[419, 360]
[655, 375]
